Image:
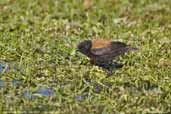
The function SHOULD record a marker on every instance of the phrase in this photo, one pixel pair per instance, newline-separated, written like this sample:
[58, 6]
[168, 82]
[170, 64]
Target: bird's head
[85, 46]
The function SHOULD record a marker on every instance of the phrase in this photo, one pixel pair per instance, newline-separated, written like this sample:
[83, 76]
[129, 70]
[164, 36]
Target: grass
[38, 39]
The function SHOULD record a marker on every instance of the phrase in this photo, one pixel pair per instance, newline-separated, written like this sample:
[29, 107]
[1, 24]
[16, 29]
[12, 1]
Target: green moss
[38, 39]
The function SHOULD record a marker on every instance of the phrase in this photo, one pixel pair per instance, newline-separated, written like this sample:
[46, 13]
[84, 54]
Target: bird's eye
[87, 46]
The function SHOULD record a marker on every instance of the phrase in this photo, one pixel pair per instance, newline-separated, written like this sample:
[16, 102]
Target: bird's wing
[101, 51]
[113, 49]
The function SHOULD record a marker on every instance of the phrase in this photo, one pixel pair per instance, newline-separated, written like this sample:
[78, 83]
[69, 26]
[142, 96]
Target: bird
[102, 52]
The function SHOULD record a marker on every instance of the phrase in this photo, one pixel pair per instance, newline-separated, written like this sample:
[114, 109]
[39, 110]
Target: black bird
[102, 52]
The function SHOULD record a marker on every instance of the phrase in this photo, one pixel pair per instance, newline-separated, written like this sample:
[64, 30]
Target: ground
[38, 40]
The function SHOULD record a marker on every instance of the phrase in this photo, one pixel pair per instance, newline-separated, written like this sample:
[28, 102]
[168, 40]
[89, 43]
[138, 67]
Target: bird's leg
[109, 74]
[106, 65]
[117, 65]
[109, 68]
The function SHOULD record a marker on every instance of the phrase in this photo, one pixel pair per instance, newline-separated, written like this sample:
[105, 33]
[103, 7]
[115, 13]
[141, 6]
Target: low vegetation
[38, 40]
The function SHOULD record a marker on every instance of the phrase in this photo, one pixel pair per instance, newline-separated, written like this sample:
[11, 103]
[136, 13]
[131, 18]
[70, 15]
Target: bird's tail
[132, 49]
